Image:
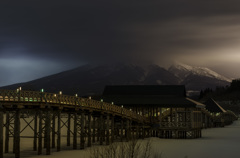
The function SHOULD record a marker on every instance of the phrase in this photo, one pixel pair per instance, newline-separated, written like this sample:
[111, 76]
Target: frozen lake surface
[215, 143]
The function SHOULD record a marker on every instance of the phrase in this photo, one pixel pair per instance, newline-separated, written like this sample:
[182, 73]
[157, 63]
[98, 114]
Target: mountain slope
[197, 78]
[91, 80]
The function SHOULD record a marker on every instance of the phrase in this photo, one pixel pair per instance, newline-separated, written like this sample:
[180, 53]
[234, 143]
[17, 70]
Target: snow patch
[197, 70]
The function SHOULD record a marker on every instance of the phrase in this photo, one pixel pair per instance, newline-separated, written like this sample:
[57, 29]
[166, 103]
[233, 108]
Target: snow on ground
[215, 143]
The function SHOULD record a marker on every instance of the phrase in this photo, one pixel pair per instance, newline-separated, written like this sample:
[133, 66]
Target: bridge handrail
[78, 102]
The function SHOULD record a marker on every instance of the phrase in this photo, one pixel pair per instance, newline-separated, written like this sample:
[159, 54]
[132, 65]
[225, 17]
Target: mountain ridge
[91, 79]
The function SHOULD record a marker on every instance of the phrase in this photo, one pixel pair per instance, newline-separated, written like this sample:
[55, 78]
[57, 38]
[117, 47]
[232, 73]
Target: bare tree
[131, 149]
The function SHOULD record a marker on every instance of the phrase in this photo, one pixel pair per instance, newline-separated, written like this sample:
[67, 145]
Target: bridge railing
[60, 99]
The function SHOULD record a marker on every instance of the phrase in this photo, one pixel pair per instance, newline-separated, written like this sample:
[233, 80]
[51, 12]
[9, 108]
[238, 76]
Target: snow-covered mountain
[90, 80]
[196, 78]
[182, 71]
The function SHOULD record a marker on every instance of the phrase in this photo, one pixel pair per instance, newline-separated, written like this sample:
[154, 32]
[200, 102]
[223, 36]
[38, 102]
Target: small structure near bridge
[170, 113]
[221, 117]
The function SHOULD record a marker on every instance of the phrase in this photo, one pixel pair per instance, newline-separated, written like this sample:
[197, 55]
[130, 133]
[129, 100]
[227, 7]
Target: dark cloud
[91, 30]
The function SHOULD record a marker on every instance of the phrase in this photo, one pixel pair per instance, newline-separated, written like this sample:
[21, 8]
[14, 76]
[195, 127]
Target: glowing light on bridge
[76, 95]
[42, 90]
[60, 92]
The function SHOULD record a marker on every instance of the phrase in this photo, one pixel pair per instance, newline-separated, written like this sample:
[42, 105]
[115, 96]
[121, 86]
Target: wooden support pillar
[98, 129]
[48, 131]
[104, 129]
[1, 131]
[82, 131]
[40, 132]
[89, 130]
[35, 132]
[75, 131]
[143, 132]
[17, 133]
[59, 130]
[94, 130]
[127, 130]
[7, 132]
[13, 118]
[68, 129]
[107, 129]
[130, 130]
[192, 118]
[176, 123]
[121, 137]
[160, 116]
[53, 130]
[45, 131]
[112, 129]
[137, 131]
[101, 129]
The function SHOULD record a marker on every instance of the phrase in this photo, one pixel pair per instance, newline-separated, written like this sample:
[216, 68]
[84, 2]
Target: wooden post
[107, 128]
[89, 130]
[98, 129]
[13, 119]
[160, 116]
[59, 131]
[45, 131]
[104, 130]
[94, 129]
[130, 130]
[127, 130]
[75, 131]
[192, 118]
[53, 130]
[17, 133]
[48, 129]
[143, 132]
[137, 131]
[40, 133]
[1, 131]
[68, 129]
[101, 129]
[112, 130]
[35, 132]
[82, 131]
[7, 132]
[176, 123]
[121, 130]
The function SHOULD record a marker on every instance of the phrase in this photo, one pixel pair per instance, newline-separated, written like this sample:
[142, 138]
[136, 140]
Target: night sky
[39, 38]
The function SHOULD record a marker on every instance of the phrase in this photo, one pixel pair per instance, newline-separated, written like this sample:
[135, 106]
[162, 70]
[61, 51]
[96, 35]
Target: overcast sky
[38, 37]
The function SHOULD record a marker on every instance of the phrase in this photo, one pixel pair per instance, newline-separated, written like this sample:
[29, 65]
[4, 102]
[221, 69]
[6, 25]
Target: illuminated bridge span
[46, 114]
[85, 121]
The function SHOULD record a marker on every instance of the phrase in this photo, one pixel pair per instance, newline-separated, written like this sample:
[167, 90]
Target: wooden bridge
[84, 119]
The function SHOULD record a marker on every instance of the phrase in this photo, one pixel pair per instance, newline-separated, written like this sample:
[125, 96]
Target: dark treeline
[229, 96]
[231, 92]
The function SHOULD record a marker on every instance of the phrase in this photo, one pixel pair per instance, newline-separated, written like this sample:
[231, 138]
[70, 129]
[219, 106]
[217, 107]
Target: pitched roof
[147, 100]
[149, 95]
[213, 106]
[160, 90]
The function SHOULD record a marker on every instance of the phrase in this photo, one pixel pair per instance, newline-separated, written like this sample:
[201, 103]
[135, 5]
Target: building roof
[146, 100]
[213, 106]
[149, 95]
[160, 90]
